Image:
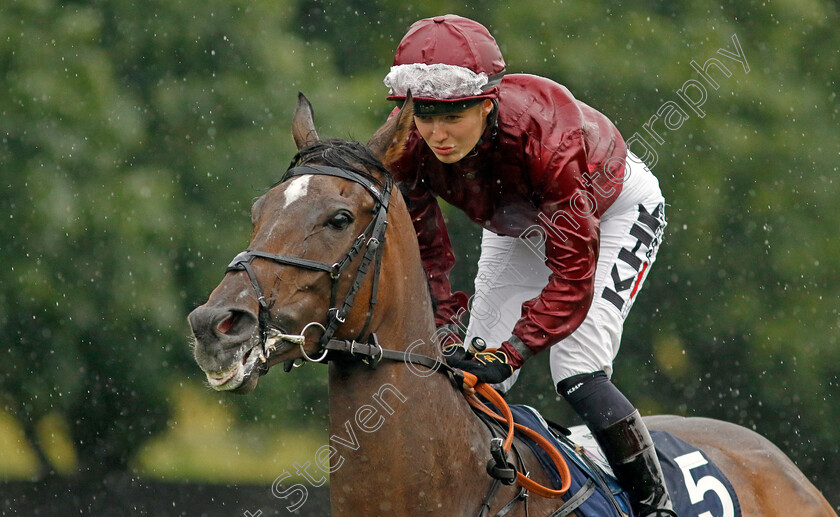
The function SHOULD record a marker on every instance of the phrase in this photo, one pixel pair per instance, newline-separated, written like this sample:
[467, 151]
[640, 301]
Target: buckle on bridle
[335, 312]
[336, 271]
[370, 361]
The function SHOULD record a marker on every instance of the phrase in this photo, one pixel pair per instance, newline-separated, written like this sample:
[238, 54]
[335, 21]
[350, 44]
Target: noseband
[371, 241]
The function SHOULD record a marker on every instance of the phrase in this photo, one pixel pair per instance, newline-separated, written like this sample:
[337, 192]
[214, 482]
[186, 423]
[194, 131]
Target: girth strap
[577, 499]
[521, 495]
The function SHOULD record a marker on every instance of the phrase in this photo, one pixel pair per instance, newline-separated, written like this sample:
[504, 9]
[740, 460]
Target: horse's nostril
[235, 323]
[225, 326]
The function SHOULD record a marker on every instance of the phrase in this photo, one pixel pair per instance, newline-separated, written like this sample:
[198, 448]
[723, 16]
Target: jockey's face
[454, 135]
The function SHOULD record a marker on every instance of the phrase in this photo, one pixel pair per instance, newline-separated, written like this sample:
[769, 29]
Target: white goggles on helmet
[436, 81]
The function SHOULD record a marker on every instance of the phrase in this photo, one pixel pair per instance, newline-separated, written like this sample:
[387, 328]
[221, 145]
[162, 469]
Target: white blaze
[297, 189]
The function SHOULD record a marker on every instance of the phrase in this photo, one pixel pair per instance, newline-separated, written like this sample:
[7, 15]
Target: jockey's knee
[595, 399]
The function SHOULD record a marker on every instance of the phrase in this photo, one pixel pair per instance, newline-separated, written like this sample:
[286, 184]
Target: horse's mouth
[251, 363]
[244, 371]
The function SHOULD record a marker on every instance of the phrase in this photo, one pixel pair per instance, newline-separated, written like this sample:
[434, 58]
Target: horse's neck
[405, 442]
[397, 405]
[401, 425]
[403, 320]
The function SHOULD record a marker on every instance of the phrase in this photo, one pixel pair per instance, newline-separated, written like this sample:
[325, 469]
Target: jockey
[571, 223]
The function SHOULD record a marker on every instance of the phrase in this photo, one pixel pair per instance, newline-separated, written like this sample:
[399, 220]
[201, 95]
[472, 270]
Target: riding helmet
[449, 63]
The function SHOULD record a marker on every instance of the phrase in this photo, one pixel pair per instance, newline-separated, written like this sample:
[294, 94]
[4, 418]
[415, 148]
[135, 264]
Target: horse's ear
[388, 142]
[303, 126]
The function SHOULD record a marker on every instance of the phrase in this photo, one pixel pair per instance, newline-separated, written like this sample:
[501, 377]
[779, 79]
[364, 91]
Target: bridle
[370, 241]
[365, 346]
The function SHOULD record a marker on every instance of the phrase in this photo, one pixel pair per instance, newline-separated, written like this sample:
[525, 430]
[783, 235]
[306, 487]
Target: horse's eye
[341, 220]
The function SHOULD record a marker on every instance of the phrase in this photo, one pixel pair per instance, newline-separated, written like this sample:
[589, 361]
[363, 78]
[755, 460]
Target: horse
[333, 258]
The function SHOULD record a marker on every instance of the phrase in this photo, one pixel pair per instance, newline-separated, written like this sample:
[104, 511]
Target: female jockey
[571, 224]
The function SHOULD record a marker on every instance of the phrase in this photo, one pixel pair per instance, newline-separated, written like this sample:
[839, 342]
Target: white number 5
[696, 491]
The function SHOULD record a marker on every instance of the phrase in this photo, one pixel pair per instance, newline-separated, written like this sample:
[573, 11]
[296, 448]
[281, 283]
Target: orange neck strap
[506, 418]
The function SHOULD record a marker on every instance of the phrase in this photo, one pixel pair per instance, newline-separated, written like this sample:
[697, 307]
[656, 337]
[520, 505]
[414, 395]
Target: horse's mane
[344, 154]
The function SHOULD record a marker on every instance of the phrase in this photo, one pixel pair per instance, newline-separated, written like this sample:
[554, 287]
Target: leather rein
[366, 346]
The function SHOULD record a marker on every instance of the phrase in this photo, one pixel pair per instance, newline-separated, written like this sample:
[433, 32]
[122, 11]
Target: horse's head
[299, 276]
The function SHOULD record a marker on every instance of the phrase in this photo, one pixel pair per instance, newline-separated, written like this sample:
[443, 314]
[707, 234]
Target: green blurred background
[136, 134]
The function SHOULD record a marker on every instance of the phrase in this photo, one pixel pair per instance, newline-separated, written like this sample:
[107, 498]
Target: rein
[507, 419]
[371, 241]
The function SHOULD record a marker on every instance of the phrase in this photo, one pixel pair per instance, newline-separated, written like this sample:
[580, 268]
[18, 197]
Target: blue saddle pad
[697, 486]
[598, 504]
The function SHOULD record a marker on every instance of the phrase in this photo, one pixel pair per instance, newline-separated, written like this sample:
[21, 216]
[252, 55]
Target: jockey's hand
[455, 353]
[490, 366]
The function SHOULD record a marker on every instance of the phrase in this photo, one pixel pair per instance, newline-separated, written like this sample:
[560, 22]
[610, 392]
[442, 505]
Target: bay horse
[403, 440]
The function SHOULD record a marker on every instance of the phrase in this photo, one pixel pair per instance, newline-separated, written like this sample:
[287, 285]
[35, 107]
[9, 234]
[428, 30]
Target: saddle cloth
[698, 488]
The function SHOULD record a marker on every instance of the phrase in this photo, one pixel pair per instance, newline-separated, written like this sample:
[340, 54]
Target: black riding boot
[629, 449]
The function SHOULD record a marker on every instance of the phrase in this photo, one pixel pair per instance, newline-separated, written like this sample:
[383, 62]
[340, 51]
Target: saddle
[697, 486]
